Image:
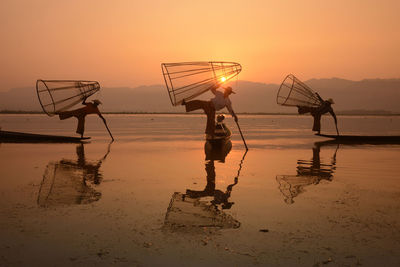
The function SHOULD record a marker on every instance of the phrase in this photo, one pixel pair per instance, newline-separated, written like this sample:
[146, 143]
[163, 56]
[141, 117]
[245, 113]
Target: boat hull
[363, 139]
[18, 137]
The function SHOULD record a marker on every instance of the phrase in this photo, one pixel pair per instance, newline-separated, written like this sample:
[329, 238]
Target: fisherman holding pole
[80, 114]
[325, 107]
[186, 80]
[220, 101]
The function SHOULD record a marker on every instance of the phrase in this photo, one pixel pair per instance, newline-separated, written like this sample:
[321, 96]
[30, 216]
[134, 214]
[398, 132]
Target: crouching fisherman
[220, 101]
[81, 113]
[317, 112]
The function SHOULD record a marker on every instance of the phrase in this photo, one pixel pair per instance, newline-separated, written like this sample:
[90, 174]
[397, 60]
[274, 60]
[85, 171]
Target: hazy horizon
[374, 96]
[33, 83]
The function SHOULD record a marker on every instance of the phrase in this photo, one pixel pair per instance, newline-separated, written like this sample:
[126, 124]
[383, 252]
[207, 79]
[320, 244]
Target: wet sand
[293, 202]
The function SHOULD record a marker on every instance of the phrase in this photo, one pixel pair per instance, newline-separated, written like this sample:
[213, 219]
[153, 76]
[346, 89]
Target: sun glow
[223, 79]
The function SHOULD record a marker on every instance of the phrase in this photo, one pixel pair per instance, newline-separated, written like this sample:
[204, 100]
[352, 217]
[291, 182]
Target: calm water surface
[151, 197]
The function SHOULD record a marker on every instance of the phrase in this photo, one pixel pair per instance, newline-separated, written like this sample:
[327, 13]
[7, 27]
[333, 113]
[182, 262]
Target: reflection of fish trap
[64, 184]
[187, 80]
[293, 92]
[293, 185]
[190, 213]
[60, 95]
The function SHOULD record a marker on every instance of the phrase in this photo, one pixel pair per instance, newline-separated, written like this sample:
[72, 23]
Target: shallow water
[150, 198]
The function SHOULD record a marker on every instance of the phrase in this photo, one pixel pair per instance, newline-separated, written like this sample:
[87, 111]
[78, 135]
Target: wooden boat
[18, 137]
[363, 139]
[221, 136]
[218, 147]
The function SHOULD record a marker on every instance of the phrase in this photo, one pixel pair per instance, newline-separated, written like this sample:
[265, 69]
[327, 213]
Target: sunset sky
[123, 43]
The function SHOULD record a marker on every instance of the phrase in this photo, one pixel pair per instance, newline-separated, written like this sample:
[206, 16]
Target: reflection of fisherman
[220, 101]
[308, 172]
[90, 170]
[80, 114]
[67, 181]
[190, 211]
[220, 197]
[315, 167]
[317, 112]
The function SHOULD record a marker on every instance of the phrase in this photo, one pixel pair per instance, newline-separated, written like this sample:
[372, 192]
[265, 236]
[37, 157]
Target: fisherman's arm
[334, 117]
[84, 100]
[319, 97]
[333, 114]
[214, 88]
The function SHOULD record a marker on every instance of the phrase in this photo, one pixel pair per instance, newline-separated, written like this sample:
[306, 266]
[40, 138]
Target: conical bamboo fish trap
[60, 95]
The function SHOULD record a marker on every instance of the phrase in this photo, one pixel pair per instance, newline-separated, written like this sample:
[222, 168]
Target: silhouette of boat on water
[218, 147]
[362, 139]
[19, 137]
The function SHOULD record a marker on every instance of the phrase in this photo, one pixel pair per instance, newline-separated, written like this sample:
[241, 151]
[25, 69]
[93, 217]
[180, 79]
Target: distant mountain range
[377, 96]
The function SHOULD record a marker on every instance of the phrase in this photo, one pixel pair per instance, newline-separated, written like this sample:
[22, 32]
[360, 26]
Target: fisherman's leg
[317, 123]
[195, 105]
[210, 112]
[210, 169]
[303, 110]
[65, 115]
[81, 126]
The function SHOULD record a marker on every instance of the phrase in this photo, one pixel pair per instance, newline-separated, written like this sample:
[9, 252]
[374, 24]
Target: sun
[223, 79]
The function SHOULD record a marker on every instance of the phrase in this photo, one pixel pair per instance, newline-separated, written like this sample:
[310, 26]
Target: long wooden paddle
[105, 123]
[241, 134]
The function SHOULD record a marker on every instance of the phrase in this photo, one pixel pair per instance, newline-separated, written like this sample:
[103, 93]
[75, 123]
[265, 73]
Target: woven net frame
[293, 92]
[60, 95]
[187, 80]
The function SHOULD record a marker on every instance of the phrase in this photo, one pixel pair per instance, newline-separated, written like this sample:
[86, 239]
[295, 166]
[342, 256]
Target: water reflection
[196, 209]
[309, 172]
[217, 149]
[69, 182]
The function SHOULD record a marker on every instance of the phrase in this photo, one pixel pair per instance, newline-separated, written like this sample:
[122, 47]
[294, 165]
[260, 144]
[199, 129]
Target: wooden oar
[337, 128]
[241, 134]
[105, 123]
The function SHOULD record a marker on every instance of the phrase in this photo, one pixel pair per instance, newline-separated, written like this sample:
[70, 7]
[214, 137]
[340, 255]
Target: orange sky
[123, 42]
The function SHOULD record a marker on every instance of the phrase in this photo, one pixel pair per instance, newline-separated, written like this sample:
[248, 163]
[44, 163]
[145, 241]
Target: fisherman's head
[96, 102]
[228, 91]
[330, 100]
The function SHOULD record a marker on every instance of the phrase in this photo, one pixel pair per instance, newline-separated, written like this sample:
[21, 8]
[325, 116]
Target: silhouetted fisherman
[220, 197]
[80, 114]
[220, 101]
[317, 112]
